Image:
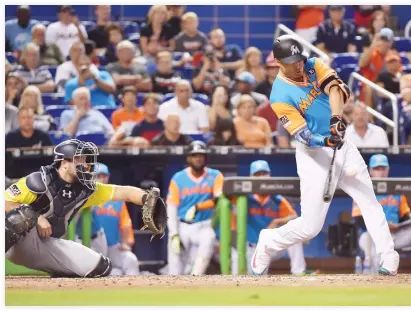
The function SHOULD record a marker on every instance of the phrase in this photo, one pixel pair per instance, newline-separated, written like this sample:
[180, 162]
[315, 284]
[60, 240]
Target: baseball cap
[246, 77]
[378, 160]
[259, 166]
[386, 34]
[336, 7]
[68, 8]
[270, 61]
[102, 169]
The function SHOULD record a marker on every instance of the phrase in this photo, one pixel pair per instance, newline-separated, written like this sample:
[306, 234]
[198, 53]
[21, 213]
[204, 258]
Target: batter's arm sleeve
[173, 202]
[404, 208]
[19, 193]
[103, 194]
[289, 116]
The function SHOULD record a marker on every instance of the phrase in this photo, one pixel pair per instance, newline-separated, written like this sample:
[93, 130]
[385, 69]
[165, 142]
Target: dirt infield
[45, 283]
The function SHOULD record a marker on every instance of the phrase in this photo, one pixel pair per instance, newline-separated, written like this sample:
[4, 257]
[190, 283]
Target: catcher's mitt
[154, 213]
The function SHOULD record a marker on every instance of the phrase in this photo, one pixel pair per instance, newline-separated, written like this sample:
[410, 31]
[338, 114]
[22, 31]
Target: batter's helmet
[197, 146]
[83, 155]
[288, 49]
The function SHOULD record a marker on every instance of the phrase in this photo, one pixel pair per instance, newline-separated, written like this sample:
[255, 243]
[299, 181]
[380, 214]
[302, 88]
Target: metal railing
[407, 30]
[309, 46]
[394, 105]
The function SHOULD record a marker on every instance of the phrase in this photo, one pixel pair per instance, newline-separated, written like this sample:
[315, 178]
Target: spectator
[15, 85]
[32, 72]
[171, 135]
[389, 78]
[378, 21]
[101, 85]
[143, 132]
[225, 134]
[192, 113]
[372, 61]
[66, 30]
[10, 117]
[68, 69]
[115, 36]
[252, 64]
[252, 131]
[8, 67]
[271, 68]
[336, 35]
[156, 34]
[31, 98]
[129, 114]
[18, 30]
[230, 56]
[245, 85]
[364, 14]
[50, 54]
[220, 106]
[98, 33]
[210, 75]
[308, 20]
[348, 112]
[405, 89]
[91, 51]
[125, 72]
[27, 135]
[364, 134]
[164, 79]
[84, 119]
[174, 13]
[266, 111]
[189, 40]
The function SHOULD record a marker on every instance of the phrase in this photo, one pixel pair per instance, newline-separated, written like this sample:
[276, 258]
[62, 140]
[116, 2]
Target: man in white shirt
[364, 134]
[193, 114]
[66, 30]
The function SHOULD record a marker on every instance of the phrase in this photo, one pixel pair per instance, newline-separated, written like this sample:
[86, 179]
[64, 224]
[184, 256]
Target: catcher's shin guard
[102, 269]
[18, 222]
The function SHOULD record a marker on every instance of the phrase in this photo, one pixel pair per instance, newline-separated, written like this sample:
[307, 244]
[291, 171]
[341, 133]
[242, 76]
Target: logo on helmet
[295, 50]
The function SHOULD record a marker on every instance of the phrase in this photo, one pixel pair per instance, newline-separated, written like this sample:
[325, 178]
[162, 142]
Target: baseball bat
[327, 191]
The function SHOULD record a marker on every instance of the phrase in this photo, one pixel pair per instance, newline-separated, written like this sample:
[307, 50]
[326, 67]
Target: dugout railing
[240, 187]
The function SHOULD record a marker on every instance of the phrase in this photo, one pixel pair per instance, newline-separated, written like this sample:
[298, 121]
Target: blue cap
[246, 77]
[259, 166]
[102, 169]
[378, 160]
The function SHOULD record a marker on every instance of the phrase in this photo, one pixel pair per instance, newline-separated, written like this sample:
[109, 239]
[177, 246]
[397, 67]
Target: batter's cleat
[383, 271]
[390, 264]
[260, 261]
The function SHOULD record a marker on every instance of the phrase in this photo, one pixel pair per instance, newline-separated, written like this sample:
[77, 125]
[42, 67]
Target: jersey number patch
[14, 191]
[285, 121]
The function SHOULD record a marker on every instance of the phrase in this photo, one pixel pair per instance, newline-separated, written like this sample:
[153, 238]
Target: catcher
[40, 206]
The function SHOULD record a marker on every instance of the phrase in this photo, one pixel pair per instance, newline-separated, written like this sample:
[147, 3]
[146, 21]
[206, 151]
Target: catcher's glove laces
[154, 213]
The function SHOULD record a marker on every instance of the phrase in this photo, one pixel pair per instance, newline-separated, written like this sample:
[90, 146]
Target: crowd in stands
[164, 82]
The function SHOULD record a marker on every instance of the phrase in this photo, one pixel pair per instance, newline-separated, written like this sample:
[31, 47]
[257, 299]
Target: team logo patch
[311, 71]
[295, 50]
[14, 190]
[285, 121]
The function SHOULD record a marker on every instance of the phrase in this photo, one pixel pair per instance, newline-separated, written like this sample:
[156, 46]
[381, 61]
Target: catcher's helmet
[196, 147]
[288, 49]
[83, 155]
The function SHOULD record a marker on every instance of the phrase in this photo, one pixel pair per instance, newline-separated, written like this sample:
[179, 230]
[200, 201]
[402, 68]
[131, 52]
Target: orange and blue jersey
[261, 212]
[394, 206]
[186, 190]
[303, 104]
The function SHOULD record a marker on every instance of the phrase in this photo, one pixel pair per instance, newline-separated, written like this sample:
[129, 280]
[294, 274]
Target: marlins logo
[285, 121]
[295, 50]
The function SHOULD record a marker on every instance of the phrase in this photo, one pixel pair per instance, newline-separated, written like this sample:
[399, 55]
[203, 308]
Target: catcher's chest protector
[61, 200]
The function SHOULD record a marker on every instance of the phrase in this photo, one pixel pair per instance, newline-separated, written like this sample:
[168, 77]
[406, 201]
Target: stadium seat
[11, 58]
[58, 136]
[199, 136]
[135, 38]
[129, 28]
[346, 71]
[167, 97]
[56, 110]
[402, 44]
[107, 111]
[45, 23]
[186, 72]
[102, 59]
[52, 99]
[177, 55]
[404, 59]
[202, 98]
[88, 25]
[344, 59]
[407, 69]
[98, 138]
[52, 70]
[140, 98]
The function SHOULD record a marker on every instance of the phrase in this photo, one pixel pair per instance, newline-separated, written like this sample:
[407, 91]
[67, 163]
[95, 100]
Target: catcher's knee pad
[18, 222]
[102, 269]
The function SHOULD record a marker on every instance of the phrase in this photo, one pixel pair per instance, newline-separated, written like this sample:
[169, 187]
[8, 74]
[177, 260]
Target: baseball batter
[191, 199]
[308, 98]
[111, 224]
[269, 212]
[40, 206]
[396, 210]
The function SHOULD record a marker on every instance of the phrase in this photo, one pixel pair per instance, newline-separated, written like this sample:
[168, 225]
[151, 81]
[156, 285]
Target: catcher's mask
[84, 157]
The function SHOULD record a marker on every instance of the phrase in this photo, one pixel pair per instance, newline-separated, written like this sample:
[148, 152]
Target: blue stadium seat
[407, 69]
[202, 98]
[135, 38]
[403, 44]
[56, 110]
[45, 23]
[346, 71]
[58, 136]
[344, 59]
[186, 72]
[177, 55]
[98, 138]
[52, 99]
[107, 111]
[102, 59]
[129, 28]
[198, 137]
[167, 97]
[11, 58]
[52, 70]
[404, 59]
[140, 97]
[88, 25]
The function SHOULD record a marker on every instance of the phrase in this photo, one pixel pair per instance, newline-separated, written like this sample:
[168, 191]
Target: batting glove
[337, 126]
[176, 245]
[189, 216]
[333, 141]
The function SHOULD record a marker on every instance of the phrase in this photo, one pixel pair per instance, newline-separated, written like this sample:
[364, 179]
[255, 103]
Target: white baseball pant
[198, 240]
[351, 175]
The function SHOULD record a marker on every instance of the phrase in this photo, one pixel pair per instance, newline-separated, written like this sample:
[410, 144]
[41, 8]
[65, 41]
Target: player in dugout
[396, 210]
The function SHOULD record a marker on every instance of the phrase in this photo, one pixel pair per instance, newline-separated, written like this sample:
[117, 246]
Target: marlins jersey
[394, 206]
[186, 190]
[300, 104]
[262, 210]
